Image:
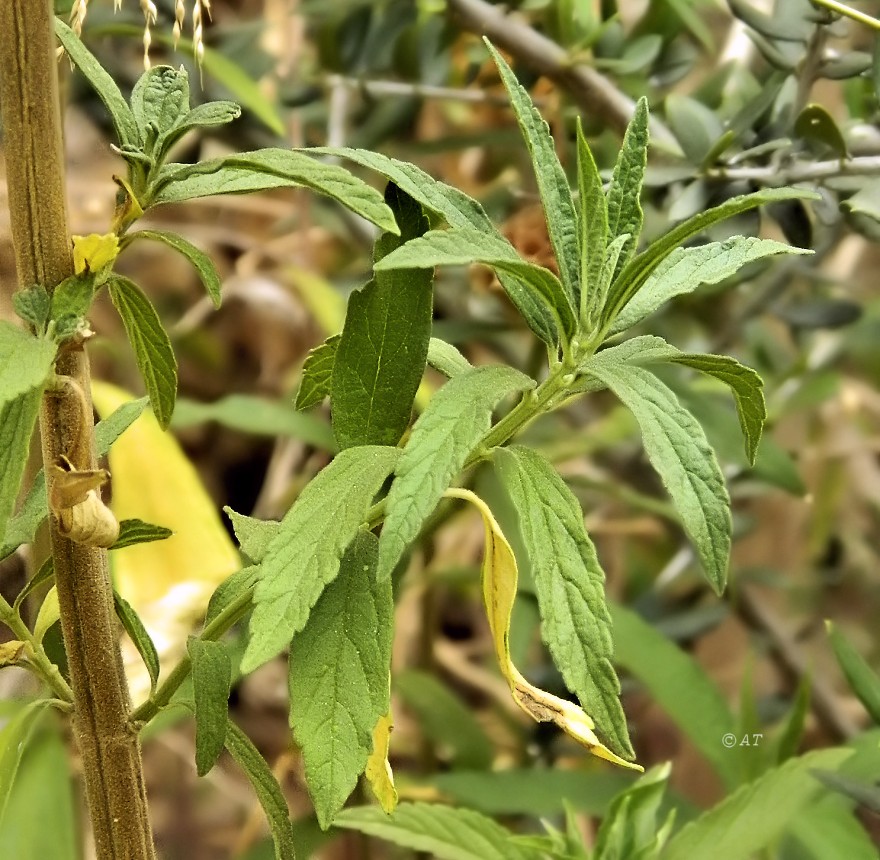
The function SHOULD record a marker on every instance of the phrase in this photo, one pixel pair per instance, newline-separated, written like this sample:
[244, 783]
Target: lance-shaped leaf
[139, 636]
[272, 168]
[211, 679]
[202, 262]
[305, 555]
[442, 439]
[677, 448]
[559, 212]
[862, 679]
[624, 194]
[17, 419]
[152, 349]
[460, 246]
[135, 531]
[499, 582]
[685, 269]
[339, 681]
[380, 359]
[570, 586]
[317, 374]
[25, 361]
[635, 274]
[593, 224]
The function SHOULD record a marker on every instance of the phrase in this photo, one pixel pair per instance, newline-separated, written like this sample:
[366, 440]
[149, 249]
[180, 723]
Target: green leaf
[266, 787]
[440, 831]
[532, 307]
[340, 665]
[205, 115]
[593, 223]
[570, 586]
[22, 527]
[152, 348]
[553, 186]
[695, 126]
[816, 124]
[380, 359]
[115, 424]
[637, 271]
[305, 555]
[461, 246]
[862, 679]
[139, 636]
[233, 587]
[793, 730]
[685, 269]
[25, 361]
[442, 439]
[202, 262]
[212, 680]
[159, 100]
[44, 575]
[17, 419]
[677, 448]
[272, 168]
[32, 304]
[829, 830]
[753, 817]
[14, 736]
[317, 374]
[253, 536]
[679, 685]
[445, 358]
[624, 194]
[136, 531]
[103, 84]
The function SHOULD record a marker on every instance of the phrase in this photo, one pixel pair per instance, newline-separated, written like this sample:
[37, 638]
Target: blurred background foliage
[743, 94]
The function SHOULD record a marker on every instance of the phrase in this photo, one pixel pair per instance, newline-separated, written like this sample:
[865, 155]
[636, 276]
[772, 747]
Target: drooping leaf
[211, 680]
[266, 787]
[862, 679]
[135, 531]
[317, 373]
[570, 586]
[445, 358]
[553, 186]
[25, 361]
[305, 555]
[159, 100]
[17, 419]
[340, 665]
[677, 448]
[152, 348]
[254, 536]
[593, 223]
[139, 636]
[685, 269]
[200, 260]
[442, 439]
[381, 355]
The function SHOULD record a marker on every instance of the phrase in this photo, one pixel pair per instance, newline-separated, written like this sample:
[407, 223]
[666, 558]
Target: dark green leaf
[152, 348]
[139, 636]
[317, 374]
[570, 586]
[25, 361]
[253, 536]
[211, 678]
[862, 679]
[441, 441]
[135, 531]
[593, 222]
[305, 555]
[814, 123]
[340, 665]
[17, 419]
[532, 307]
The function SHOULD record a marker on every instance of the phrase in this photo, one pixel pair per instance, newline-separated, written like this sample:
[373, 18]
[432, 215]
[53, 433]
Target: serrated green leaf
[233, 587]
[753, 817]
[685, 269]
[442, 439]
[25, 361]
[461, 246]
[253, 536]
[862, 679]
[593, 223]
[159, 100]
[305, 555]
[139, 636]
[103, 84]
[677, 448]
[317, 373]
[211, 680]
[445, 358]
[32, 304]
[440, 831]
[638, 270]
[624, 194]
[380, 359]
[559, 212]
[339, 681]
[14, 736]
[136, 531]
[200, 260]
[266, 787]
[17, 419]
[152, 349]
[272, 168]
[570, 586]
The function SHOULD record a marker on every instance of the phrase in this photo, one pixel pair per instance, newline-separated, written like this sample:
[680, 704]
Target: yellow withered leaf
[378, 770]
[499, 581]
[93, 252]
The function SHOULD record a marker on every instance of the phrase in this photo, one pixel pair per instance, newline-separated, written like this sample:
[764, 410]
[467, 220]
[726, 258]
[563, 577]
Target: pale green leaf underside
[685, 269]
[441, 441]
[25, 361]
[445, 358]
[340, 677]
[570, 586]
[677, 448]
[211, 679]
[312, 537]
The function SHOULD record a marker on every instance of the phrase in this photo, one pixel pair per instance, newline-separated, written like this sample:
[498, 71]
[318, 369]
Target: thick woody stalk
[35, 173]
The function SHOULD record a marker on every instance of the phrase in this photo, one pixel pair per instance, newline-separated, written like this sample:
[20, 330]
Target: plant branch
[108, 746]
[799, 171]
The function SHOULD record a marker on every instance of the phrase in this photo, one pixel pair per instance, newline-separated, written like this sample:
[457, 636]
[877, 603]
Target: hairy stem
[108, 745]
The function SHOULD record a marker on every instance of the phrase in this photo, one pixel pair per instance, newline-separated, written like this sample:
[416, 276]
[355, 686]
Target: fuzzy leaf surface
[593, 226]
[159, 99]
[17, 419]
[442, 439]
[139, 636]
[317, 374]
[211, 680]
[339, 679]
[25, 361]
[312, 538]
[446, 359]
[254, 536]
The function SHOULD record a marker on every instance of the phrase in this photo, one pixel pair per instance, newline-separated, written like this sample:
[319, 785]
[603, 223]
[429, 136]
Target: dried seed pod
[75, 500]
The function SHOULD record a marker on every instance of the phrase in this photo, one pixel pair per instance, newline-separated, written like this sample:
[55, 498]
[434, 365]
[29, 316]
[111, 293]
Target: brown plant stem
[108, 745]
